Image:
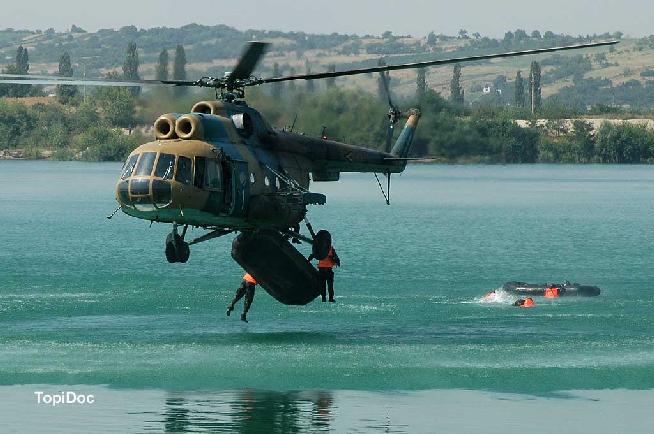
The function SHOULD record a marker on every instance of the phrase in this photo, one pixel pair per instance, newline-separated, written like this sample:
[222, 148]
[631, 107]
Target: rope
[388, 202]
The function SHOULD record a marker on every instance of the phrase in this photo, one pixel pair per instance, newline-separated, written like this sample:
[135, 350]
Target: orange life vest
[552, 292]
[328, 262]
[249, 279]
[528, 303]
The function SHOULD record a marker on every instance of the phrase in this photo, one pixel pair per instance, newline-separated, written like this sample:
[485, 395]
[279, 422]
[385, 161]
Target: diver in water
[246, 289]
[490, 296]
[525, 302]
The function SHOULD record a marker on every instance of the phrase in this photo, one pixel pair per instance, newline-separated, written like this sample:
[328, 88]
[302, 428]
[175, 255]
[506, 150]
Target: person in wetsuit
[326, 273]
[246, 289]
[525, 302]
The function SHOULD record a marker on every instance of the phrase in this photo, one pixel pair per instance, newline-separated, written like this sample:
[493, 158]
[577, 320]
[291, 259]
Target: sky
[414, 17]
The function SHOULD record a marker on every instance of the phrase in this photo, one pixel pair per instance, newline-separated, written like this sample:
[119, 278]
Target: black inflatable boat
[564, 289]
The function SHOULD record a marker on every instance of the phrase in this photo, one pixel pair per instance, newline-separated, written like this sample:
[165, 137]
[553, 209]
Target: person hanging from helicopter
[246, 289]
[326, 273]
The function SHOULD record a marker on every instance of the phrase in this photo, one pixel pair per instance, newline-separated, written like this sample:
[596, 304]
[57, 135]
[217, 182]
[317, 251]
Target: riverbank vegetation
[111, 122]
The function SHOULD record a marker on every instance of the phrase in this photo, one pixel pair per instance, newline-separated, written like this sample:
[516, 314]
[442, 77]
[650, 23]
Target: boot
[229, 310]
[331, 300]
[244, 318]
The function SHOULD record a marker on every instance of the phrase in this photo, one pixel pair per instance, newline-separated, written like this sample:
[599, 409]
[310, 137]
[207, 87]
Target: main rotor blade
[253, 52]
[387, 89]
[429, 63]
[70, 81]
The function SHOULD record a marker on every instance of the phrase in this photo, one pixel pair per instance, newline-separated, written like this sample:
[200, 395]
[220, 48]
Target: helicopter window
[184, 170]
[277, 183]
[252, 180]
[165, 166]
[146, 162]
[128, 168]
[200, 169]
[266, 181]
[212, 178]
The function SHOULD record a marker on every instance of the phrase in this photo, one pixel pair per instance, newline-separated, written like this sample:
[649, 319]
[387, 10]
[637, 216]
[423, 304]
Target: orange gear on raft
[551, 292]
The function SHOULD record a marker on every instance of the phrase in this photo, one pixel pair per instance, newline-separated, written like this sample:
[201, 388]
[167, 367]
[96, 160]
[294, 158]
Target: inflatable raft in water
[562, 289]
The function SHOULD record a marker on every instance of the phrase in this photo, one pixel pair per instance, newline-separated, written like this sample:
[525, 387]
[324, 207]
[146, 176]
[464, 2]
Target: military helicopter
[223, 168]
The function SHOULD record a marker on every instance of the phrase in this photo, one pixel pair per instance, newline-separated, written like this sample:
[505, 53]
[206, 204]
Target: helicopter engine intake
[164, 127]
[189, 127]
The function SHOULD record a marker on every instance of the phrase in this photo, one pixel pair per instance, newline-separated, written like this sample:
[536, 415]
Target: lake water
[90, 305]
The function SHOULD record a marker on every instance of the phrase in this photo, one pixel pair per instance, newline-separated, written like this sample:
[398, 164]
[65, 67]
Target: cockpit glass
[184, 170]
[165, 166]
[146, 162]
[128, 168]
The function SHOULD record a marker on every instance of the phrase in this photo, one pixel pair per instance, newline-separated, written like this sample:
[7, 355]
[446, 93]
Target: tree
[520, 35]
[536, 34]
[20, 67]
[463, 34]
[456, 91]
[534, 87]
[22, 60]
[116, 104]
[432, 39]
[66, 94]
[331, 81]
[383, 80]
[421, 84]
[162, 66]
[76, 29]
[131, 66]
[179, 69]
[291, 84]
[276, 87]
[519, 93]
[311, 86]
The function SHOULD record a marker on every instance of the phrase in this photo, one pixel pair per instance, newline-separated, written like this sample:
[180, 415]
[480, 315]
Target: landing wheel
[177, 250]
[322, 241]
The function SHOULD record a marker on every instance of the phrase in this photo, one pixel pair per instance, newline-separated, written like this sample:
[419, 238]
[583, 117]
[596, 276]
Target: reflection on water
[257, 411]
[247, 411]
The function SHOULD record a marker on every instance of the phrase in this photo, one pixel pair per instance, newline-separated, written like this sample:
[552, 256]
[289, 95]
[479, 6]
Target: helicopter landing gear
[177, 250]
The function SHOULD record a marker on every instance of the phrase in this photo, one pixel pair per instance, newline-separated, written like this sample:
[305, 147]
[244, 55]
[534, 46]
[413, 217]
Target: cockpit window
[165, 166]
[146, 162]
[184, 170]
[128, 168]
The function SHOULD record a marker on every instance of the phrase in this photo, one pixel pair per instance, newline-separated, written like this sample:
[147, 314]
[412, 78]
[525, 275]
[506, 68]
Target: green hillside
[210, 50]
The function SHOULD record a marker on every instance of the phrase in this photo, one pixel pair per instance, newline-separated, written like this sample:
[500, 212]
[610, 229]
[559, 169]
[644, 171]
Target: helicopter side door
[208, 177]
[237, 187]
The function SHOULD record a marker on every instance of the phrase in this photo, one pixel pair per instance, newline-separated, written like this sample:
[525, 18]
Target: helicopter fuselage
[225, 167]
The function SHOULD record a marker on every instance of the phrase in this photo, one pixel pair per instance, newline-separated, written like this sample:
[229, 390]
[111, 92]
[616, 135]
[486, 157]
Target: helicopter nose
[144, 194]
